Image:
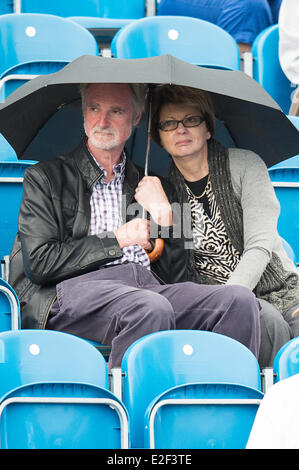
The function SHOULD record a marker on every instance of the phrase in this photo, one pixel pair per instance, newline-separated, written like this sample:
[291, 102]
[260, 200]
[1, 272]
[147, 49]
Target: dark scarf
[276, 285]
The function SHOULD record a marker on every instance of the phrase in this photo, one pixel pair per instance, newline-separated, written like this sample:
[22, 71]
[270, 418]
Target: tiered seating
[186, 367]
[54, 394]
[9, 308]
[267, 70]
[185, 389]
[285, 179]
[34, 44]
[286, 362]
[6, 6]
[102, 18]
[103, 29]
[7, 153]
[190, 39]
[11, 190]
[96, 8]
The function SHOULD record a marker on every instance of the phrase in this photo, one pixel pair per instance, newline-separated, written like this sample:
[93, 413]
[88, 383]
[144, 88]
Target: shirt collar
[118, 168]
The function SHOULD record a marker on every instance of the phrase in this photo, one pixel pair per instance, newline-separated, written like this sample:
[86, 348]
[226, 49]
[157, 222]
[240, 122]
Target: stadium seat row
[178, 389]
[204, 384]
[28, 46]
[96, 8]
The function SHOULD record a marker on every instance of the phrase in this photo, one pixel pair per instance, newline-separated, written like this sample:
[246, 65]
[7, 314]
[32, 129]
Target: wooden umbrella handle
[157, 251]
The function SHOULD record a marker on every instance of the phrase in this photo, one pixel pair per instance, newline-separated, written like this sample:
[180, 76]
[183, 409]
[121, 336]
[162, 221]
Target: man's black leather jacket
[53, 242]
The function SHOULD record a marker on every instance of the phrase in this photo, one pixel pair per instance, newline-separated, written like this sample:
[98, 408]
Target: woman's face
[183, 141]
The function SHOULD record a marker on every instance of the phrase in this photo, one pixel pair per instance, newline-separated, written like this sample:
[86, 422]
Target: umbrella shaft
[148, 145]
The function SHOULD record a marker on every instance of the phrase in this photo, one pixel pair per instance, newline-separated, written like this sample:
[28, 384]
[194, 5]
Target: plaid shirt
[106, 212]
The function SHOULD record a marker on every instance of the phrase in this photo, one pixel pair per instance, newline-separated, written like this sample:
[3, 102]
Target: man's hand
[135, 232]
[150, 195]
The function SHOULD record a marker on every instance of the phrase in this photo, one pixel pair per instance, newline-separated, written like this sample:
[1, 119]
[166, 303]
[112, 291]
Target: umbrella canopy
[43, 117]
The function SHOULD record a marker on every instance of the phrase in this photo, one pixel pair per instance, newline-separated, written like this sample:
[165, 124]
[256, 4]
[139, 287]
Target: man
[86, 271]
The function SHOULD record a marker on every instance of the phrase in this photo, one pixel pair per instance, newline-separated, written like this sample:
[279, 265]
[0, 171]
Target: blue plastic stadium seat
[54, 394]
[103, 29]
[96, 8]
[6, 6]
[34, 44]
[294, 120]
[9, 308]
[190, 39]
[286, 362]
[62, 416]
[285, 179]
[267, 70]
[289, 251]
[160, 361]
[104, 349]
[29, 356]
[11, 190]
[202, 416]
[286, 185]
[7, 153]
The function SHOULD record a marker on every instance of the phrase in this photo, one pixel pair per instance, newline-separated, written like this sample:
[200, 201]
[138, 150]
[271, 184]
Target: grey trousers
[275, 332]
[117, 305]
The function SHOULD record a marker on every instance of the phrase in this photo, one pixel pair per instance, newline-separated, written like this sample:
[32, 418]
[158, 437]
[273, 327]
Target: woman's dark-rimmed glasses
[172, 124]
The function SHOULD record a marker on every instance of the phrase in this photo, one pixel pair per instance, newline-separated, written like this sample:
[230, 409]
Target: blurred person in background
[288, 24]
[242, 19]
[276, 422]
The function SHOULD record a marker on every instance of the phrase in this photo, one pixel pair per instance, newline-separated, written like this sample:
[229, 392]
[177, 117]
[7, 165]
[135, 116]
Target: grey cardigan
[249, 210]
[261, 209]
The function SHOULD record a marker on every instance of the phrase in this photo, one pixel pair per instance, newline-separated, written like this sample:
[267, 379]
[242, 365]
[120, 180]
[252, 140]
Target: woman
[234, 212]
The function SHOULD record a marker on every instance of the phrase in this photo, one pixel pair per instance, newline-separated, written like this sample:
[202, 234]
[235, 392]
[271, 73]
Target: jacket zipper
[48, 312]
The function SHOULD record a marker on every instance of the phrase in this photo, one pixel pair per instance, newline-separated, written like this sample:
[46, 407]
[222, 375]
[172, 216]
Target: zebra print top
[214, 254]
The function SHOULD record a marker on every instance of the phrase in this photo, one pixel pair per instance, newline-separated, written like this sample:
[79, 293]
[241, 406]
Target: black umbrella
[43, 117]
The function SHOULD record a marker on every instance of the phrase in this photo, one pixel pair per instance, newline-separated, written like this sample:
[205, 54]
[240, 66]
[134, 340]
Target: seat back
[16, 76]
[286, 362]
[166, 359]
[202, 416]
[62, 416]
[6, 6]
[28, 356]
[54, 394]
[190, 39]
[285, 180]
[7, 153]
[9, 308]
[267, 70]
[33, 44]
[294, 120]
[103, 29]
[11, 190]
[289, 251]
[96, 8]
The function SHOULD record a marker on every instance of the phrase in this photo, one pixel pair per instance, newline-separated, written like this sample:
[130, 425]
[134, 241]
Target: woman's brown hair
[176, 94]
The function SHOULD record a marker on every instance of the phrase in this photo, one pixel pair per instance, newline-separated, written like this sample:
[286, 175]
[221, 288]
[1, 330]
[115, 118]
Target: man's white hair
[138, 91]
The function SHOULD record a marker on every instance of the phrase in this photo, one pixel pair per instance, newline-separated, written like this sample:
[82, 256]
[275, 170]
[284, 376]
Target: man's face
[108, 115]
